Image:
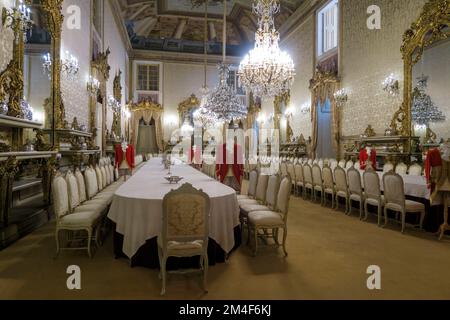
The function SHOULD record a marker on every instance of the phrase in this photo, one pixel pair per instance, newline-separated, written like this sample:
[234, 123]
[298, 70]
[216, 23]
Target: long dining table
[136, 212]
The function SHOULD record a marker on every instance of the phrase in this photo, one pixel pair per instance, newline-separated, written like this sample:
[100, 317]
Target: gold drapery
[147, 110]
[323, 86]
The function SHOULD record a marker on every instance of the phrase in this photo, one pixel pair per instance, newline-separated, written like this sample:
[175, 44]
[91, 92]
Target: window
[233, 81]
[327, 28]
[148, 77]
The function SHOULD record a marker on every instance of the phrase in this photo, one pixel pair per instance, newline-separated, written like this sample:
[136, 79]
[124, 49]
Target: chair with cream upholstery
[308, 181]
[283, 168]
[317, 182]
[372, 191]
[253, 181]
[299, 183]
[271, 198]
[341, 164]
[415, 170]
[260, 195]
[291, 173]
[98, 174]
[394, 196]
[349, 164]
[340, 178]
[310, 162]
[320, 163]
[272, 220]
[328, 185]
[388, 167]
[357, 165]
[355, 190]
[401, 168]
[333, 164]
[67, 221]
[185, 228]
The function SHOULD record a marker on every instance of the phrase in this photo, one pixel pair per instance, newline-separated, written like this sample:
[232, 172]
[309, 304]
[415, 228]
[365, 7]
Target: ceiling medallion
[266, 70]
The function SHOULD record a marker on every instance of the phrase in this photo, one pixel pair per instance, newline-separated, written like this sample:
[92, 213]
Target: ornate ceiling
[177, 25]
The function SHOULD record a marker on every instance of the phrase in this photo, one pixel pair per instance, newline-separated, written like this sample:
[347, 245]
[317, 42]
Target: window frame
[321, 54]
[137, 92]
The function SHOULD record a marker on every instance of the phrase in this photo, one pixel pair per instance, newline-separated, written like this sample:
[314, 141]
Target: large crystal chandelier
[222, 104]
[424, 111]
[266, 70]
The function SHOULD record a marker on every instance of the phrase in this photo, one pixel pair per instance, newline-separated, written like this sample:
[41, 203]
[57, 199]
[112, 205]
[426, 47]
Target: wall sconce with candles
[341, 97]
[391, 85]
[305, 108]
[69, 66]
[114, 104]
[18, 18]
[93, 86]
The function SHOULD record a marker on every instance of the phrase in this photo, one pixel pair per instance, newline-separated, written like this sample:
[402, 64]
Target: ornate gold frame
[146, 105]
[117, 116]
[187, 105]
[428, 29]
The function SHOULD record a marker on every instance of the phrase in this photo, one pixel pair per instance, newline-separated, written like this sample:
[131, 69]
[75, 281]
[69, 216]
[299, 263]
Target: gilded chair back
[298, 169]
[283, 197]
[291, 171]
[317, 175]
[354, 181]
[357, 165]
[253, 181]
[388, 167]
[349, 164]
[415, 170]
[394, 189]
[185, 215]
[328, 181]
[307, 174]
[60, 197]
[341, 179]
[341, 164]
[72, 187]
[272, 191]
[90, 177]
[81, 186]
[372, 185]
[98, 175]
[401, 168]
[261, 187]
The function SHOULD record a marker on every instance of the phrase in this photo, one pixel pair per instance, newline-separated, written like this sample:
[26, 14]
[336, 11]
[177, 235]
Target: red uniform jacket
[129, 155]
[222, 166]
[363, 157]
[434, 159]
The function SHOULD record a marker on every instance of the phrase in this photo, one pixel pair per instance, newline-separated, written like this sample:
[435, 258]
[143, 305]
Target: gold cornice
[188, 104]
[101, 64]
[146, 105]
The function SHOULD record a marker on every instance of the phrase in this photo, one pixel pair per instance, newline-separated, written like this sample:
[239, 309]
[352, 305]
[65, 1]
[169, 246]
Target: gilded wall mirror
[426, 53]
[186, 110]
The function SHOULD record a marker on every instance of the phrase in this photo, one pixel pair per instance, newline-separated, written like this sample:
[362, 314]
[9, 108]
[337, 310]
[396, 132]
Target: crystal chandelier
[391, 85]
[266, 70]
[424, 110]
[341, 97]
[93, 86]
[114, 104]
[222, 104]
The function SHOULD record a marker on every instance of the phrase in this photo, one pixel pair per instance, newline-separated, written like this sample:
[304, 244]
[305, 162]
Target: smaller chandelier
[391, 85]
[18, 18]
[47, 64]
[341, 97]
[424, 111]
[114, 104]
[93, 86]
[223, 104]
[266, 70]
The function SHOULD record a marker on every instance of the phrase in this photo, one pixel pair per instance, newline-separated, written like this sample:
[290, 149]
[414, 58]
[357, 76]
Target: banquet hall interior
[224, 149]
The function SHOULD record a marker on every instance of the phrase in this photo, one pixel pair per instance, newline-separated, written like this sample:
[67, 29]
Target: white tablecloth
[137, 205]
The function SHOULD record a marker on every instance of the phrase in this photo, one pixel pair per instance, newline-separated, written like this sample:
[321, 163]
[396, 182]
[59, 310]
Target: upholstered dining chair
[333, 164]
[328, 185]
[317, 182]
[310, 162]
[308, 181]
[415, 170]
[185, 228]
[373, 194]
[253, 180]
[320, 162]
[260, 194]
[357, 165]
[355, 190]
[299, 183]
[388, 166]
[283, 168]
[67, 221]
[341, 164]
[401, 168]
[394, 196]
[272, 220]
[291, 173]
[340, 178]
[349, 164]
